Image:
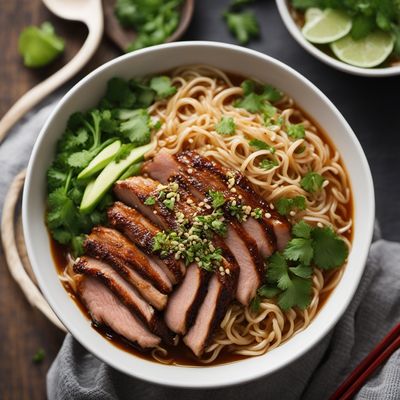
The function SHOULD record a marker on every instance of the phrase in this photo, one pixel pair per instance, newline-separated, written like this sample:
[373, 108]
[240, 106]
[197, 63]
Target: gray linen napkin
[76, 374]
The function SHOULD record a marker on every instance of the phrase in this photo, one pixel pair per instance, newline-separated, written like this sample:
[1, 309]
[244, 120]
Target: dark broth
[180, 354]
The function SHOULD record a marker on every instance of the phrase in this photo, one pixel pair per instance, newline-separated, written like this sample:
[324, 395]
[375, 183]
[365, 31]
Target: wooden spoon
[123, 37]
[90, 13]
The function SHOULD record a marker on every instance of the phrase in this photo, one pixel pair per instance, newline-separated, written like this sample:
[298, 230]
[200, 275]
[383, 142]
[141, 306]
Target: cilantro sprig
[289, 273]
[312, 182]
[285, 204]
[226, 126]
[121, 114]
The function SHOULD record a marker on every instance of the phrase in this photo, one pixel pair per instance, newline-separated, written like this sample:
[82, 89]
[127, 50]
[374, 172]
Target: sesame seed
[320, 225]
[223, 273]
[189, 201]
[208, 206]
[267, 215]
[233, 190]
[155, 212]
[272, 206]
[190, 140]
[292, 213]
[221, 268]
[227, 271]
[240, 197]
[201, 204]
[190, 171]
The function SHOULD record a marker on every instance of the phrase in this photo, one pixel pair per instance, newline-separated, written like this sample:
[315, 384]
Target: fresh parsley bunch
[121, 115]
[289, 273]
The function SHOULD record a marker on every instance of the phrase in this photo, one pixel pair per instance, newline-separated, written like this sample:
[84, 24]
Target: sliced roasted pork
[240, 243]
[141, 231]
[106, 310]
[184, 303]
[278, 224]
[114, 248]
[220, 294]
[126, 293]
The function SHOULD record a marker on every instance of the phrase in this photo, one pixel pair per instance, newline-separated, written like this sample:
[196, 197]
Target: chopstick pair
[384, 349]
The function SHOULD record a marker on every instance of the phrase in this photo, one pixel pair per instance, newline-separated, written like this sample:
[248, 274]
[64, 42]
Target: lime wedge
[329, 26]
[367, 52]
[312, 13]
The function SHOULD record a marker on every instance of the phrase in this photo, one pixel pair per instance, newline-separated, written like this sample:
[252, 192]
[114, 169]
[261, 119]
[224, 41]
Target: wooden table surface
[23, 329]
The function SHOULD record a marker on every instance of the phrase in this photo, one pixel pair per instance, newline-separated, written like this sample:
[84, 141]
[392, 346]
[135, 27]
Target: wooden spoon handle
[40, 91]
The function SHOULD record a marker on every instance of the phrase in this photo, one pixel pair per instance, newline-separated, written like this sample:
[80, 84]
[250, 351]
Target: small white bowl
[295, 31]
[233, 59]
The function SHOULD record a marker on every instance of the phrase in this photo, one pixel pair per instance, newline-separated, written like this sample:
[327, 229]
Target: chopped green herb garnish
[39, 356]
[261, 145]
[284, 205]
[226, 126]
[312, 182]
[268, 164]
[257, 98]
[296, 131]
[169, 203]
[217, 198]
[236, 210]
[256, 213]
[150, 201]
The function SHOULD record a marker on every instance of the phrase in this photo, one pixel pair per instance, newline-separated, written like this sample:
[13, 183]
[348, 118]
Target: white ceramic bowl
[249, 64]
[327, 59]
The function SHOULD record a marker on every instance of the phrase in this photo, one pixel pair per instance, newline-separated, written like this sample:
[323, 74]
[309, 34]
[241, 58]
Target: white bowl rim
[325, 58]
[203, 376]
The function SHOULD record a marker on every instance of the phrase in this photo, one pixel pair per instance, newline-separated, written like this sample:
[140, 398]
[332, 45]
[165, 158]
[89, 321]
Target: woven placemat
[15, 251]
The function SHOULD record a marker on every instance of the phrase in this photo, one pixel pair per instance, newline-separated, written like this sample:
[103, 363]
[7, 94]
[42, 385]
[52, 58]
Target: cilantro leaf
[119, 93]
[137, 128]
[39, 46]
[226, 126]
[298, 294]
[271, 94]
[312, 182]
[80, 159]
[362, 25]
[217, 198]
[39, 356]
[302, 271]
[302, 230]
[268, 164]
[284, 205]
[299, 249]
[277, 266]
[243, 25]
[261, 145]
[268, 291]
[162, 86]
[329, 250]
[296, 131]
[255, 304]
[251, 102]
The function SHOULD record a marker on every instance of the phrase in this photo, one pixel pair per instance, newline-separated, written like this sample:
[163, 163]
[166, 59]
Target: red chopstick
[353, 383]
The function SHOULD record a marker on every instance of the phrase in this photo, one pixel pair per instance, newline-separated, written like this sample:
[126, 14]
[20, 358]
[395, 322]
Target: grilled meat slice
[126, 293]
[135, 190]
[278, 224]
[141, 231]
[106, 310]
[238, 240]
[220, 294]
[114, 248]
[184, 302]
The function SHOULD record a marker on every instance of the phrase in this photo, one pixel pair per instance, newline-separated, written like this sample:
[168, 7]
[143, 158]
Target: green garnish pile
[289, 273]
[153, 20]
[121, 115]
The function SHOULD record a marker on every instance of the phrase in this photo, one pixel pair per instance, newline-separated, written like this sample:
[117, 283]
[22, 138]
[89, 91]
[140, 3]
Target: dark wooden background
[371, 106]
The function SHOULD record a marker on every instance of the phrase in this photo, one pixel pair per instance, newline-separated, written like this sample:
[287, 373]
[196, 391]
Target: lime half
[329, 26]
[312, 13]
[367, 52]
